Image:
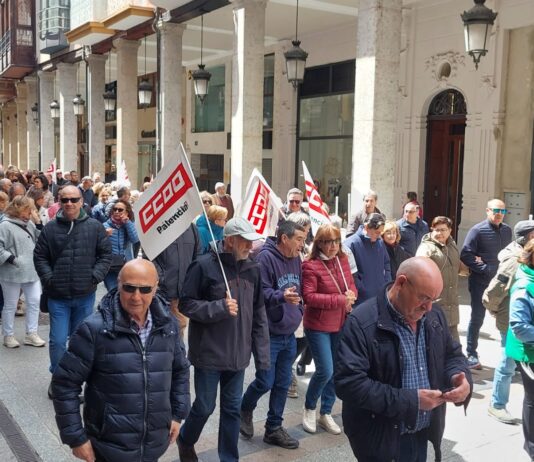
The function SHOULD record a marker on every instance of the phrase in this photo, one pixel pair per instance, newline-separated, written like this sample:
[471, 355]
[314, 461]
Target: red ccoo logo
[165, 197]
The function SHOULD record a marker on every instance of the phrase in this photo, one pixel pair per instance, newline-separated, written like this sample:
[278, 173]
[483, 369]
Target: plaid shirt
[414, 367]
[143, 331]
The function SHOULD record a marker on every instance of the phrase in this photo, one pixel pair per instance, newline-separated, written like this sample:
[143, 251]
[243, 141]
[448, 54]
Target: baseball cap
[375, 220]
[523, 228]
[239, 226]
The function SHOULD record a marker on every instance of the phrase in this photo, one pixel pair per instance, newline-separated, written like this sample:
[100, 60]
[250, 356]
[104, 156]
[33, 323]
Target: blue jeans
[110, 281]
[277, 379]
[478, 311]
[413, 446]
[502, 379]
[206, 383]
[65, 317]
[323, 346]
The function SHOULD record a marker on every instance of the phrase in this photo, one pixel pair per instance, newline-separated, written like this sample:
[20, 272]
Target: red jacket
[324, 306]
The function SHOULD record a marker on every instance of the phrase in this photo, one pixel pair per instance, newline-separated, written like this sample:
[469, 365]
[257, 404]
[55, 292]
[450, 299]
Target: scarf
[116, 222]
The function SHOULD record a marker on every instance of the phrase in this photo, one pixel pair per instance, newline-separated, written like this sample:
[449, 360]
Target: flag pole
[209, 226]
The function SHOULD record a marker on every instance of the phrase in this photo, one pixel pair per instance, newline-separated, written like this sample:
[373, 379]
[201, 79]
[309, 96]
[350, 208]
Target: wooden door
[444, 169]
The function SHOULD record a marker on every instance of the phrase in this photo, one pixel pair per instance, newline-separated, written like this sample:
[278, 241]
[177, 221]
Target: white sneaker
[327, 422]
[309, 422]
[33, 339]
[502, 415]
[11, 342]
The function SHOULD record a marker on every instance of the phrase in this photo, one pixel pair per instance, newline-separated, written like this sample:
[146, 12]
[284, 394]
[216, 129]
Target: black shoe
[301, 369]
[50, 392]
[187, 453]
[280, 437]
[246, 427]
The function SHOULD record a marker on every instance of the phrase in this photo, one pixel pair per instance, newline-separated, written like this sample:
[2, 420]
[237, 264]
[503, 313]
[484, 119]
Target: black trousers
[303, 351]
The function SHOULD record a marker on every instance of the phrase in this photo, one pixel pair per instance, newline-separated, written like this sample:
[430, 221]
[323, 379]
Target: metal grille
[447, 103]
[16, 440]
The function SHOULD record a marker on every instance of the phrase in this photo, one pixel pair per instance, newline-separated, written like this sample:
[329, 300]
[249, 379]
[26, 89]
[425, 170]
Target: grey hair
[300, 218]
[295, 191]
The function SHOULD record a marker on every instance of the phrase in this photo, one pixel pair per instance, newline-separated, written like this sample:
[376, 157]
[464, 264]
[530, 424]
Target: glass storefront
[209, 115]
[326, 116]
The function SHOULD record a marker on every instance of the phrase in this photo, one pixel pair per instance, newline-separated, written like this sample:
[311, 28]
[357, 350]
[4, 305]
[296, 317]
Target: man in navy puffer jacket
[131, 356]
[281, 276]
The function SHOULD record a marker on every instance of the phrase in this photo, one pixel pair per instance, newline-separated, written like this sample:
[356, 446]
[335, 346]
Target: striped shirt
[414, 366]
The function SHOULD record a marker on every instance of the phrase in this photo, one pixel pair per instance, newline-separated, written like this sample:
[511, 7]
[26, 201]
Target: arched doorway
[445, 157]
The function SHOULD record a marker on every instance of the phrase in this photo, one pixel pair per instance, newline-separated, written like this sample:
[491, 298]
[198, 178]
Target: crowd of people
[377, 312]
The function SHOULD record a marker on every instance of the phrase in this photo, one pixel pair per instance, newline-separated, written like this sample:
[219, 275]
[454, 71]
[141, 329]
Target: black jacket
[396, 256]
[72, 266]
[368, 378]
[484, 240]
[217, 340]
[132, 393]
[173, 262]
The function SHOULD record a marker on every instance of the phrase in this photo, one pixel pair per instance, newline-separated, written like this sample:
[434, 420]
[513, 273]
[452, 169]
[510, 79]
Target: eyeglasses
[330, 242]
[295, 201]
[441, 230]
[115, 209]
[411, 211]
[207, 202]
[501, 211]
[74, 200]
[129, 288]
[423, 299]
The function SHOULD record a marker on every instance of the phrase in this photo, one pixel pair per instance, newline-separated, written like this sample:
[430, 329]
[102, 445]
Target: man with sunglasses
[480, 253]
[72, 255]
[131, 357]
[397, 366]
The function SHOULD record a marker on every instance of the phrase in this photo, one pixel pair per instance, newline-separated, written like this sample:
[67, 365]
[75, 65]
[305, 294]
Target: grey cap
[239, 226]
[375, 220]
[523, 228]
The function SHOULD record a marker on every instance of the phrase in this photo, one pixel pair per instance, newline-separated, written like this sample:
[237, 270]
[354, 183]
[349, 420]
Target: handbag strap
[332, 276]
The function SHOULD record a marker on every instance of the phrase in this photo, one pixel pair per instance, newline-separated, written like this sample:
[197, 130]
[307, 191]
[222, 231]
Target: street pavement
[24, 380]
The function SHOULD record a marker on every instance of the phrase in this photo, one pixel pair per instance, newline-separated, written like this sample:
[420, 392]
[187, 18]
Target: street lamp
[78, 104]
[35, 112]
[477, 25]
[110, 98]
[145, 88]
[296, 58]
[54, 109]
[201, 77]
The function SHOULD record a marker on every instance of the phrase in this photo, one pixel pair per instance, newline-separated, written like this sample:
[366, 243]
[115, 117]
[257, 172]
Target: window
[268, 100]
[209, 116]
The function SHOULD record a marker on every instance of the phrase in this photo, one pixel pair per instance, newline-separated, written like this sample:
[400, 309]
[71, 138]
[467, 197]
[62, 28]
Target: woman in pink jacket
[329, 294]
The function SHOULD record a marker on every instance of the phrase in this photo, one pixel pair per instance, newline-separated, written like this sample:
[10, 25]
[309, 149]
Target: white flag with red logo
[261, 206]
[52, 170]
[169, 205]
[318, 216]
[122, 175]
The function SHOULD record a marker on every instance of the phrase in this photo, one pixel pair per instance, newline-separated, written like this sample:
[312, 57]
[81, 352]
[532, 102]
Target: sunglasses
[129, 288]
[74, 200]
[207, 202]
[115, 209]
[295, 202]
[330, 242]
[501, 211]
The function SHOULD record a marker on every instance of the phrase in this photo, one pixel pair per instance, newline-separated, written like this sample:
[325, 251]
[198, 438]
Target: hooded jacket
[277, 274]
[205, 235]
[368, 379]
[72, 257]
[217, 340]
[372, 259]
[447, 258]
[132, 392]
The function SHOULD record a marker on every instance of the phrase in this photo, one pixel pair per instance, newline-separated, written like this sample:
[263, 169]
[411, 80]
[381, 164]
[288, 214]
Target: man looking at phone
[281, 275]
[397, 365]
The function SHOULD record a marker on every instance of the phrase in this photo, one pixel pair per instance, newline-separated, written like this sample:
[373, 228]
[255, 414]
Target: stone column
[5, 136]
[22, 149]
[247, 92]
[46, 123]
[32, 136]
[171, 87]
[68, 126]
[96, 82]
[375, 100]
[13, 134]
[127, 106]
